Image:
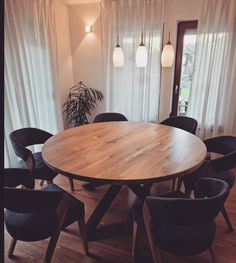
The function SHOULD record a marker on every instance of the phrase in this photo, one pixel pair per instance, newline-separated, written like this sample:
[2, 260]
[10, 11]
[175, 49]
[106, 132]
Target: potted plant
[80, 102]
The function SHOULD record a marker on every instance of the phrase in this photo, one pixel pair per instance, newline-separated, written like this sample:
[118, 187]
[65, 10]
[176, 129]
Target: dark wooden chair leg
[212, 255]
[51, 247]
[149, 230]
[41, 182]
[135, 238]
[226, 217]
[83, 233]
[12, 247]
[71, 184]
[61, 213]
[173, 184]
[179, 183]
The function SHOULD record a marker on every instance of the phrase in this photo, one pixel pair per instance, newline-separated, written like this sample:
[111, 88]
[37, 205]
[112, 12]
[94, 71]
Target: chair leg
[226, 217]
[83, 233]
[149, 230]
[135, 238]
[51, 247]
[212, 255]
[72, 188]
[173, 184]
[49, 182]
[179, 183]
[61, 213]
[41, 182]
[12, 247]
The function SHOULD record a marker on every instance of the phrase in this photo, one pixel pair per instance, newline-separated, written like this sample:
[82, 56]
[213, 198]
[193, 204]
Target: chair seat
[185, 241]
[41, 170]
[30, 227]
[38, 226]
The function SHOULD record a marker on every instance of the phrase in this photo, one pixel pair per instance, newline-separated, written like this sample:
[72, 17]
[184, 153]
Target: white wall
[87, 53]
[65, 68]
[86, 47]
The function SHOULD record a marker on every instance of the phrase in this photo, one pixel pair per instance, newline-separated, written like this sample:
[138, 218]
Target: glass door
[186, 41]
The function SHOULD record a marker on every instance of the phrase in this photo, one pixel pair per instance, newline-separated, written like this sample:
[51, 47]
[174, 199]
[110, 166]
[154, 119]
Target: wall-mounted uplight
[88, 28]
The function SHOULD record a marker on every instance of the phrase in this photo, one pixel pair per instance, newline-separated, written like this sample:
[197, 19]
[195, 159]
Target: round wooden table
[119, 153]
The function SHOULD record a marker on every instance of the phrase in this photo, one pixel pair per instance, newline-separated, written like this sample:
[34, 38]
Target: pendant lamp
[168, 53]
[141, 53]
[118, 55]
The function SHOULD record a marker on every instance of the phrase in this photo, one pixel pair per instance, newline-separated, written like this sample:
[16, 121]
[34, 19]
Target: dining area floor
[112, 241]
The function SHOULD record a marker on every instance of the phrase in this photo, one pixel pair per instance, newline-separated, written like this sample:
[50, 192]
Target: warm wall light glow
[88, 28]
[141, 56]
[167, 56]
[118, 56]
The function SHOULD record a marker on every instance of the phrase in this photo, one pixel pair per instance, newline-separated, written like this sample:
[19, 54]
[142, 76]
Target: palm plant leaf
[80, 102]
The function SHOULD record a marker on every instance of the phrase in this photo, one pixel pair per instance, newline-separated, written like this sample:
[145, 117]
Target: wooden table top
[124, 152]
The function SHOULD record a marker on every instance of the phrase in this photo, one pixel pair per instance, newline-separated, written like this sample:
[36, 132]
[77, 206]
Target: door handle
[176, 89]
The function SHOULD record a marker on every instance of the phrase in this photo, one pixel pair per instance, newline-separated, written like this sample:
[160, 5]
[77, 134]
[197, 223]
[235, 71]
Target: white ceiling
[77, 2]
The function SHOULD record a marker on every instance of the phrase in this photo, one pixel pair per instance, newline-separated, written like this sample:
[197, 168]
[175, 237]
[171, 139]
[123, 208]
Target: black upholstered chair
[184, 226]
[105, 117]
[33, 215]
[109, 116]
[182, 122]
[21, 139]
[219, 168]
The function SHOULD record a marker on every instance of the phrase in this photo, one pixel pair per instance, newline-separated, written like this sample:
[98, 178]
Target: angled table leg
[140, 191]
[102, 208]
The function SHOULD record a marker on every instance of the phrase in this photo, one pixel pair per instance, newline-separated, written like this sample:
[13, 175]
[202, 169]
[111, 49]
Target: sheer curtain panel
[30, 69]
[213, 92]
[130, 90]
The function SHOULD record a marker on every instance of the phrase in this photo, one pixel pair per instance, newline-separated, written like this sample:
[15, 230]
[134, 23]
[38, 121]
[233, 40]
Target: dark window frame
[182, 27]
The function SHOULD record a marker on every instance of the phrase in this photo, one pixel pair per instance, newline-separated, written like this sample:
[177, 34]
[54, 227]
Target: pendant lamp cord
[144, 13]
[118, 21]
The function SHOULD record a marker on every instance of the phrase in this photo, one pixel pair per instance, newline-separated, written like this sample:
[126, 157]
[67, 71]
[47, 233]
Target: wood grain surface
[124, 152]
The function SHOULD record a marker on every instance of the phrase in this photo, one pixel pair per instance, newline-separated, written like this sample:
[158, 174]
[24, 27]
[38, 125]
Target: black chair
[21, 139]
[104, 117]
[219, 168]
[185, 123]
[182, 122]
[109, 116]
[33, 215]
[184, 226]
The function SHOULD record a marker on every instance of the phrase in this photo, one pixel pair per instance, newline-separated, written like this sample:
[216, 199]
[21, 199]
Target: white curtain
[130, 90]
[30, 70]
[213, 92]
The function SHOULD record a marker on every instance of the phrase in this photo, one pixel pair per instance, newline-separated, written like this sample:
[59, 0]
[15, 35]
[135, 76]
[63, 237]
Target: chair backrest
[182, 122]
[26, 200]
[190, 212]
[109, 116]
[30, 201]
[24, 137]
[14, 177]
[226, 146]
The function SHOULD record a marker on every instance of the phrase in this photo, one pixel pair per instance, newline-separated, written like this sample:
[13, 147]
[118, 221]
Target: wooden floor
[113, 241]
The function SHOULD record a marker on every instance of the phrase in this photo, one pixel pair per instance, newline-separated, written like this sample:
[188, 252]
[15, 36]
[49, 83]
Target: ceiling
[77, 2]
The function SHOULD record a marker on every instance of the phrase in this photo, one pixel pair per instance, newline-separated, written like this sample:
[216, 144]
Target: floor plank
[114, 239]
